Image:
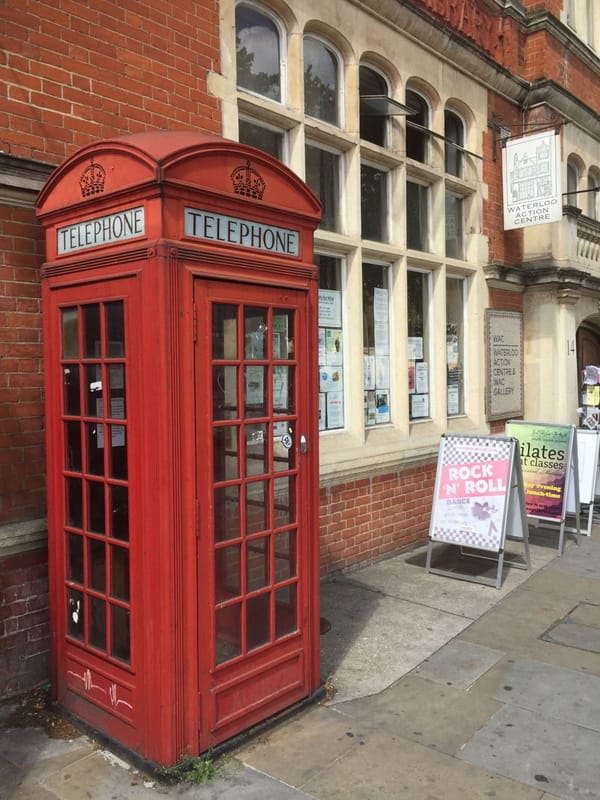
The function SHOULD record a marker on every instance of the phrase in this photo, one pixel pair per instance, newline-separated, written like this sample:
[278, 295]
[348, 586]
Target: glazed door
[251, 384]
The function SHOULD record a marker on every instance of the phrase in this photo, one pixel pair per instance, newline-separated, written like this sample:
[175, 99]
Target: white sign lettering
[242, 232]
[112, 228]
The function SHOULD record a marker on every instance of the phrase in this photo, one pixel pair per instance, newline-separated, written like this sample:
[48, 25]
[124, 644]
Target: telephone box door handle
[303, 444]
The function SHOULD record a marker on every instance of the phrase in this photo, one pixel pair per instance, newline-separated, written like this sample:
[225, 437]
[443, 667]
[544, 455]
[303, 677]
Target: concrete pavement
[443, 689]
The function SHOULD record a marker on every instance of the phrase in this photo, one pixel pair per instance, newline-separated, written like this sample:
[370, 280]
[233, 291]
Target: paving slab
[564, 694]
[306, 745]
[459, 663]
[539, 751]
[383, 766]
[581, 561]
[427, 713]
[375, 639]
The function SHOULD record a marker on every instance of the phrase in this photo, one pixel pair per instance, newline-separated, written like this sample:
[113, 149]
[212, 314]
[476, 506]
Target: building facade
[396, 115]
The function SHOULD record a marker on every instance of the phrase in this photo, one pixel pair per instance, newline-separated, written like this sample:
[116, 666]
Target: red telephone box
[180, 320]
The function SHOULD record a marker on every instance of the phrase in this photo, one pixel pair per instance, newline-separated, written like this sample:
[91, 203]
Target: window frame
[282, 42]
[336, 189]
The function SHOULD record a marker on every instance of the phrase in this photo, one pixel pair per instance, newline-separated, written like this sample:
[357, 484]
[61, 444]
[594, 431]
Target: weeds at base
[193, 770]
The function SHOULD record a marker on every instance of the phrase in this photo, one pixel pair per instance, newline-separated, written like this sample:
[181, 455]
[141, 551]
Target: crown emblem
[248, 182]
[92, 180]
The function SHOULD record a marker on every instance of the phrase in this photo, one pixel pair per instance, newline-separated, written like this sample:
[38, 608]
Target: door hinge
[194, 323]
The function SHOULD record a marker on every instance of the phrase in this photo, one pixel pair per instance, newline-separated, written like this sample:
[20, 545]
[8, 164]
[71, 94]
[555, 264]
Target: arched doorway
[588, 343]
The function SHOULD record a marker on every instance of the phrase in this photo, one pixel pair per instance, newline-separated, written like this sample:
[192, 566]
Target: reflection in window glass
[376, 344]
[264, 139]
[322, 175]
[455, 344]
[417, 216]
[258, 53]
[373, 203]
[331, 350]
[454, 226]
[320, 81]
[417, 140]
[373, 127]
[418, 345]
[455, 135]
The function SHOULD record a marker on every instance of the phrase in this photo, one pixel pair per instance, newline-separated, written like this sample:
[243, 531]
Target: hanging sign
[531, 180]
[478, 495]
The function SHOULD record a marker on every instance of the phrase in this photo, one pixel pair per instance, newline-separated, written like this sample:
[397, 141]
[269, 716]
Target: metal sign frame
[478, 502]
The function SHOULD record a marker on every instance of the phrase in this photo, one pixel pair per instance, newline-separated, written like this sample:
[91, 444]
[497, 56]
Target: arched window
[321, 81]
[258, 49]
[454, 134]
[417, 139]
[572, 198]
[373, 126]
[593, 190]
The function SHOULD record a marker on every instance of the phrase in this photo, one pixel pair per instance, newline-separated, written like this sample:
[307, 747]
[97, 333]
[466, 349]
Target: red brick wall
[22, 464]
[367, 519]
[77, 71]
[23, 622]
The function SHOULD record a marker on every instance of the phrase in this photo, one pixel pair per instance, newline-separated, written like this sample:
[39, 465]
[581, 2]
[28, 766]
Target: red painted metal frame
[154, 273]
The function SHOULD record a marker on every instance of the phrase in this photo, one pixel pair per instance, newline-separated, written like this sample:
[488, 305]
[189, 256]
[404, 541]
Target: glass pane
[119, 573]
[285, 611]
[283, 389]
[91, 331]
[73, 446]
[416, 139]
[418, 337]
[225, 453]
[72, 401]
[75, 614]
[417, 216]
[373, 128]
[70, 333]
[74, 558]
[118, 440]
[96, 514]
[121, 648]
[256, 449]
[227, 513]
[455, 344]
[97, 636]
[258, 627]
[454, 226]
[97, 565]
[255, 329]
[95, 448]
[116, 391]
[257, 564]
[285, 556]
[285, 501]
[268, 141]
[284, 452]
[320, 81]
[225, 403]
[224, 331]
[322, 175]
[283, 334]
[227, 573]
[115, 329]
[376, 352]
[257, 45]
[256, 507]
[330, 348]
[228, 633]
[74, 513]
[119, 504]
[454, 134]
[93, 391]
[254, 391]
[373, 203]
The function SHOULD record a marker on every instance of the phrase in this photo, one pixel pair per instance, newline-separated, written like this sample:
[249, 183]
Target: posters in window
[330, 379]
[415, 348]
[382, 407]
[421, 378]
[419, 405]
[382, 373]
[333, 346]
[453, 400]
[330, 308]
[335, 409]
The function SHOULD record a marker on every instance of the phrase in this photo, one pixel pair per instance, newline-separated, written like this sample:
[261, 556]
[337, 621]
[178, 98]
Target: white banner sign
[531, 180]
